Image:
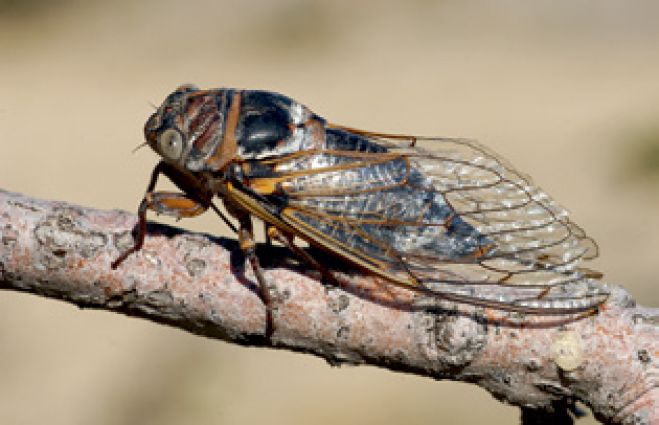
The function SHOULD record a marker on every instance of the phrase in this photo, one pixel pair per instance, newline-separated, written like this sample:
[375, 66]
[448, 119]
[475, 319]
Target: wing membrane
[454, 218]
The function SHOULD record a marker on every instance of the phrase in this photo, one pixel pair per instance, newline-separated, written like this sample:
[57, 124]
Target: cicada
[451, 219]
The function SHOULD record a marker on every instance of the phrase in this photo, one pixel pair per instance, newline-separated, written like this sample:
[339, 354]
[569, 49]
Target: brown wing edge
[295, 227]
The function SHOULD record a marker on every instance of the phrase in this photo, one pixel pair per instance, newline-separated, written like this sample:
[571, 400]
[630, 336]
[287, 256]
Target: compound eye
[170, 144]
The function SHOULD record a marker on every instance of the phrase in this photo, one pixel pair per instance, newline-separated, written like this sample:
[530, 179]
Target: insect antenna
[140, 146]
[224, 218]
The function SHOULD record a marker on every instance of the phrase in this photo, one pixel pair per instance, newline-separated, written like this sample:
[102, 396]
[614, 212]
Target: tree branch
[199, 283]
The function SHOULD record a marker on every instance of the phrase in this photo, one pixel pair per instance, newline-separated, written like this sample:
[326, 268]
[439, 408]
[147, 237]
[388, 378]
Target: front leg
[177, 205]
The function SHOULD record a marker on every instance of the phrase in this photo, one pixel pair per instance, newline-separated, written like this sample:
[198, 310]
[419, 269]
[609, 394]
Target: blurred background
[567, 90]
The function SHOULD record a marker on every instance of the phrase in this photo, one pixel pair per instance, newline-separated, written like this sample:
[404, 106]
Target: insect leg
[248, 247]
[139, 240]
[178, 205]
[224, 218]
[268, 239]
[141, 223]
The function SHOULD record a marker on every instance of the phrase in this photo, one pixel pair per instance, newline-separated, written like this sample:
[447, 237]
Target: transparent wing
[454, 218]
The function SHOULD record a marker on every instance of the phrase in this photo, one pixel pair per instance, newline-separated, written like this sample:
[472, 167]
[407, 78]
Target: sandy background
[567, 90]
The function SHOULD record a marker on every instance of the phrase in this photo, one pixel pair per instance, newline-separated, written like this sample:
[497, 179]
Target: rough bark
[200, 283]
